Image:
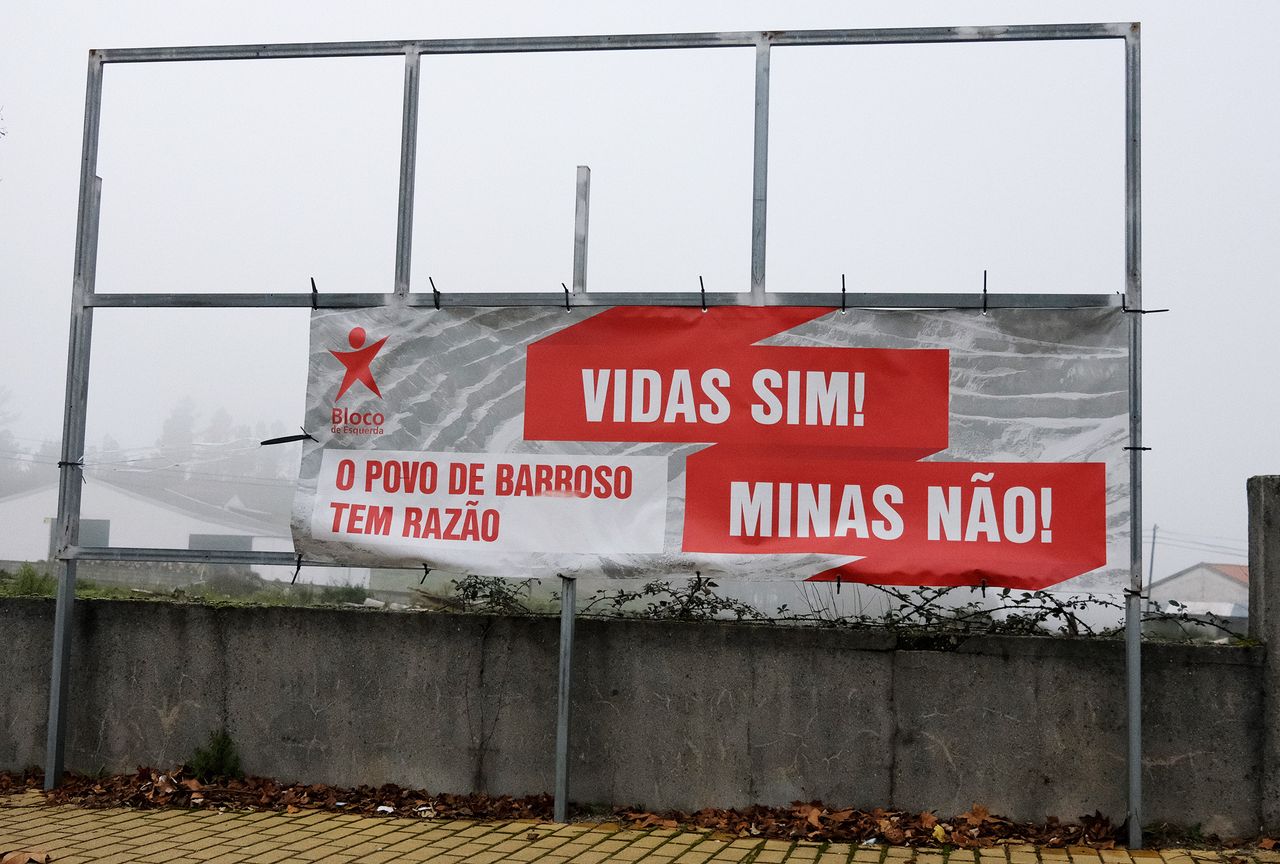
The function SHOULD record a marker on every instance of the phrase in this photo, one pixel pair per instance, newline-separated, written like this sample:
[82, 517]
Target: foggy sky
[907, 168]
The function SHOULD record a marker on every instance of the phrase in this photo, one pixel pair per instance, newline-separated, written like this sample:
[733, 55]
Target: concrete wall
[665, 715]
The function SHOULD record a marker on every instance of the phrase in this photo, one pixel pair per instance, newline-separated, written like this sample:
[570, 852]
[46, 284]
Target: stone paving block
[301, 842]
[589, 856]
[609, 845]
[474, 831]
[421, 855]
[872, 856]
[504, 847]
[553, 858]
[161, 858]
[685, 839]
[116, 858]
[154, 846]
[380, 857]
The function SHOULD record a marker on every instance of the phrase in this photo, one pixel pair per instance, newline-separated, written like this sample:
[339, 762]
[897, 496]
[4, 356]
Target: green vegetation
[238, 588]
[342, 594]
[30, 582]
[219, 761]
[927, 617]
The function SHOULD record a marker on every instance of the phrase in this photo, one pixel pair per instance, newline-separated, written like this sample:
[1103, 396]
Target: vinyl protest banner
[904, 447]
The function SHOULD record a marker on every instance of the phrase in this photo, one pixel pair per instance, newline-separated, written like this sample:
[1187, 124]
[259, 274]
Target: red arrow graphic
[688, 375]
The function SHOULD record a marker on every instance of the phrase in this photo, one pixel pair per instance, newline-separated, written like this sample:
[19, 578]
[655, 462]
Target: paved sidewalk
[76, 835]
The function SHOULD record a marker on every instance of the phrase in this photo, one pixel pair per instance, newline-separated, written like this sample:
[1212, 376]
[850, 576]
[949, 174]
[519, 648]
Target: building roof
[1238, 573]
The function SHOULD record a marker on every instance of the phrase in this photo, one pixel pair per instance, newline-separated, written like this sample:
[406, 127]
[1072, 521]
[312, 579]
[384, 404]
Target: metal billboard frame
[85, 300]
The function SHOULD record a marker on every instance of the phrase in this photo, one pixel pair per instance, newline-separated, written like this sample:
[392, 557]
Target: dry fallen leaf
[24, 856]
[977, 815]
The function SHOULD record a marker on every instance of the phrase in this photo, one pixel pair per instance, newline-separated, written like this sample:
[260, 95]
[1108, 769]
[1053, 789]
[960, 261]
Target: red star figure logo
[357, 362]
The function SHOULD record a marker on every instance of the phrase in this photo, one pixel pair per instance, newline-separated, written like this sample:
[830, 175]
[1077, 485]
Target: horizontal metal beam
[186, 556]
[643, 41]
[670, 298]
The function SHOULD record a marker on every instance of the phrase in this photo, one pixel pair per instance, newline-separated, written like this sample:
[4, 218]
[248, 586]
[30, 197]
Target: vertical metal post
[760, 172]
[71, 468]
[581, 221]
[568, 603]
[408, 165]
[569, 585]
[1133, 297]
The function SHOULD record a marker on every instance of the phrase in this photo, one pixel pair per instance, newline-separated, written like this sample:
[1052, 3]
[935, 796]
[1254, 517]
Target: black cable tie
[567, 307]
[703, 289]
[435, 295]
[1137, 448]
[296, 570]
[315, 295]
[1124, 307]
[984, 292]
[426, 571]
[305, 436]
[79, 463]
[1136, 592]
[842, 308]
